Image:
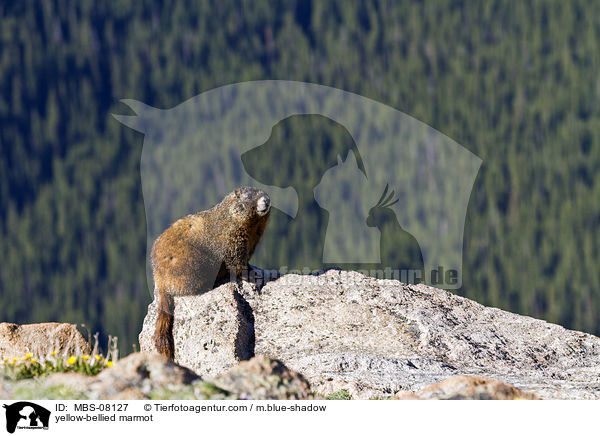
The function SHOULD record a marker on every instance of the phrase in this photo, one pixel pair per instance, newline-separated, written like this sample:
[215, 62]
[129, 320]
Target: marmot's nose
[263, 204]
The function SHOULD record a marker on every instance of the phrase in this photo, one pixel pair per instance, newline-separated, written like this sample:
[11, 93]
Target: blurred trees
[516, 83]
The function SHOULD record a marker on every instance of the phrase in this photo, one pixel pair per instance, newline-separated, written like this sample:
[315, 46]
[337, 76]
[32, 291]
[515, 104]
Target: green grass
[30, 390]
[342, 394]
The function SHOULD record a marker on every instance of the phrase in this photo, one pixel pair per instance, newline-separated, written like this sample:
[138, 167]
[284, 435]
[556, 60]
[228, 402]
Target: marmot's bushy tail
[163, 335]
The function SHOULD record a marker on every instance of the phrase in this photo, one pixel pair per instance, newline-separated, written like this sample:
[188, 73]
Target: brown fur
[203, 248]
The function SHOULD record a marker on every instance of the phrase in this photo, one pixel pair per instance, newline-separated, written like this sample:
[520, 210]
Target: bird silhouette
[399, 249]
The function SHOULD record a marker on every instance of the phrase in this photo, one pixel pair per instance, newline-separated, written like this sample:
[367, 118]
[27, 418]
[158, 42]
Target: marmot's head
[248, 204]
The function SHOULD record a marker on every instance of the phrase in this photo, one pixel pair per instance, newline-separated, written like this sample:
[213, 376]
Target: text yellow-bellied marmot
[202, 248]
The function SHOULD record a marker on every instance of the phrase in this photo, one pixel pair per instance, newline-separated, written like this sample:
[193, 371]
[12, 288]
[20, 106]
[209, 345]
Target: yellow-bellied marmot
[202, 248]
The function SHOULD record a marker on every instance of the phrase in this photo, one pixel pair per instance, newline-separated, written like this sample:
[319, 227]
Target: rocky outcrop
[463, 387]
[137, 375]
[41, 340]
[212, 331]
[152, 376]
[379, 337]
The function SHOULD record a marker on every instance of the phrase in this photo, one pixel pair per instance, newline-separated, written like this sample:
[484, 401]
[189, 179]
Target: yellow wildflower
[109, 364]
[72, 360]
[98, 357]
[85, 357]
[28, 356]
[53, 353]
[33, 360]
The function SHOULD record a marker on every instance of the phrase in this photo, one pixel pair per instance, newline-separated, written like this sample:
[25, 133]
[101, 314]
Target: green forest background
[516, 83]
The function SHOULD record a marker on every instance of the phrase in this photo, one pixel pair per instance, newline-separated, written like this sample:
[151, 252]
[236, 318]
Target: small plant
[342, 394]
[27, 366]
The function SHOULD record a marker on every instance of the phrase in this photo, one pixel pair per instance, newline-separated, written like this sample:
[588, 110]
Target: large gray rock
[381, 336]
[462, 387]
[212, 331]
[375, 338]
[41, 340]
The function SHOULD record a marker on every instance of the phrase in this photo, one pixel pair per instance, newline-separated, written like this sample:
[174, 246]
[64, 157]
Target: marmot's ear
[236, 209]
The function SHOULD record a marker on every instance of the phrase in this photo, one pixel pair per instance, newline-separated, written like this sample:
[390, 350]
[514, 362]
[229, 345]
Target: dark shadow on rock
[245, 340]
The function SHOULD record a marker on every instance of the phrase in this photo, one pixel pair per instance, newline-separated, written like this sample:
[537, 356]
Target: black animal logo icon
[27, 415]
